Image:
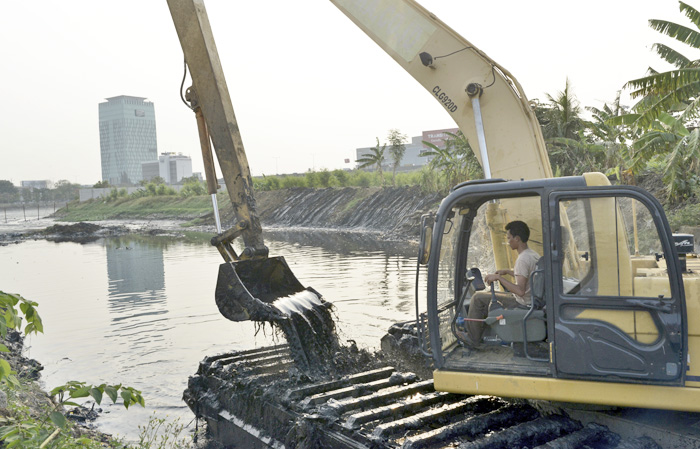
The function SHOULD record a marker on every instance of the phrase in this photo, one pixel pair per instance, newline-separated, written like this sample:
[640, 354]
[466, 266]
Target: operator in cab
[517, 235]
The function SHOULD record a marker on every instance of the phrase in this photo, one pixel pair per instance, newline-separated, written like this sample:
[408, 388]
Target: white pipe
[216, 213]
[481, 137]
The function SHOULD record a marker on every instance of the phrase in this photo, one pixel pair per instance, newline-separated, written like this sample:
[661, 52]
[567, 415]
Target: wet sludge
[309, 329]
[369, 406]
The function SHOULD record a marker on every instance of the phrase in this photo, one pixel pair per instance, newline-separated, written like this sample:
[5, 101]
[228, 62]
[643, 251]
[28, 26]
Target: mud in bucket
[246, 289]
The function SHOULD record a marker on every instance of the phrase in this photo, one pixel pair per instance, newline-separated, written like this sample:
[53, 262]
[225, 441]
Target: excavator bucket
[261, 290]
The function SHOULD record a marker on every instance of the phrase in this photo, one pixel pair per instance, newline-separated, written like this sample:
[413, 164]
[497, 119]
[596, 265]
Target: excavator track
[257, 399]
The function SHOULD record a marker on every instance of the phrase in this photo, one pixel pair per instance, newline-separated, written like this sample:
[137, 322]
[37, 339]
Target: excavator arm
[209, 94]
[250, 286]
[456, 73]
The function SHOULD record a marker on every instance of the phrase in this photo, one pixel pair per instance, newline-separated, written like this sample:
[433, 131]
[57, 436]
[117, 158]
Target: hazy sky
[308, 87]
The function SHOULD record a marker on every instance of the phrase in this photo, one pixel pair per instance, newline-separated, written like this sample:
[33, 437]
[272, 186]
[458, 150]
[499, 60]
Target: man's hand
[497, 276]
[491, 278]
[518, 287]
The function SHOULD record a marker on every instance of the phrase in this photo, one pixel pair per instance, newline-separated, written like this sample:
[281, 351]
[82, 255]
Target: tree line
[63, 191]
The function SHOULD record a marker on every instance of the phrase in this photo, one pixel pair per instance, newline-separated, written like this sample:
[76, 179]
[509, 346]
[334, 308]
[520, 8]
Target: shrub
[324, 178]
[429, 180]
[193, 189]
[684, 216]
[361, 179]
[408, 179]
[19, 428]
[267, 183]
[291, 181]
[312, 179]
[342, 177]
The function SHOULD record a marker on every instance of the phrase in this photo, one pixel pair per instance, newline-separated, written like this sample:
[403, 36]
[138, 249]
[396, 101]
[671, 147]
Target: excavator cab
[608, 309]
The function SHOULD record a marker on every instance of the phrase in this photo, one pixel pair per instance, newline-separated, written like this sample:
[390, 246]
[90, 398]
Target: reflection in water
[136, 275]
[148, 317]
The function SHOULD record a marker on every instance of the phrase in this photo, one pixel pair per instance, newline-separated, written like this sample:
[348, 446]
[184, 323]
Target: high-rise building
[127, 138]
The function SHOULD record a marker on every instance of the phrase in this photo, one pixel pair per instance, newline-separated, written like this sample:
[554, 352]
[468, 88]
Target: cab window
[610, 247]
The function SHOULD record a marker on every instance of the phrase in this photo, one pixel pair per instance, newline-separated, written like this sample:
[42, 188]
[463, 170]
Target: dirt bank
[390, 213]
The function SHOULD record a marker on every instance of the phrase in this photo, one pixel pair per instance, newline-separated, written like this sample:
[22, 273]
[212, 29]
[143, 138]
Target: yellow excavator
[613, 317]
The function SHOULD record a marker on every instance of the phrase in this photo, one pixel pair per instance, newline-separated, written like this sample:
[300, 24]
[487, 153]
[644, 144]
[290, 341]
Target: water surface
[139, 310]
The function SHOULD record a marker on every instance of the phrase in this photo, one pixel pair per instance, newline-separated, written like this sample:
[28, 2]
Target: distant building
[438, 136]
[40, 184]
[127, 138]
[169, 166]
[412, 157]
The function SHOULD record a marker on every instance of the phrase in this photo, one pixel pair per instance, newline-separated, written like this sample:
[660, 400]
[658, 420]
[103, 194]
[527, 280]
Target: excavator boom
[446, 64]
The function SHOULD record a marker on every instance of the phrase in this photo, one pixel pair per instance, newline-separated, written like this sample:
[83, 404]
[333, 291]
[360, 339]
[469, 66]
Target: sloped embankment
[394, 212]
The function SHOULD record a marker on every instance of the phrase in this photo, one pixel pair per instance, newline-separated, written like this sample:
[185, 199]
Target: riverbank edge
[369, 218]
[391, 211]
[31, 395]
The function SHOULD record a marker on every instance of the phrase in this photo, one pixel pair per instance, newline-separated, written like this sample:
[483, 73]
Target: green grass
[352, 204]
[152, 207]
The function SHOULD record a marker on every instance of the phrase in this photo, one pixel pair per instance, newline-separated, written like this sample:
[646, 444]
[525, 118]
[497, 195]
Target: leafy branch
[25, 432]
[11, 318]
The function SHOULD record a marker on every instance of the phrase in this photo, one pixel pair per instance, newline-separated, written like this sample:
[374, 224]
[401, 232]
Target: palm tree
[396, 150]
[562, 129]
[456, 161]
[374, 158]
[614, 135]
[666, 115]
[575, 156]
[677, 149]
[677, 89]
[562, 115]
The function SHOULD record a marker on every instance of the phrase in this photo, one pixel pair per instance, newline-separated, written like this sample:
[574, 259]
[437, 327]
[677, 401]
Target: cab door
[618, 301]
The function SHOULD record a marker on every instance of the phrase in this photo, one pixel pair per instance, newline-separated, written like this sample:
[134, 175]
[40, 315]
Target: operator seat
[509, 325]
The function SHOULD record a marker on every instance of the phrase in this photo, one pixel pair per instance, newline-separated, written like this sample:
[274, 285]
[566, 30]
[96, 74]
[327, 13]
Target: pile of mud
[316, 393]
[26, 368]
[79, 232]
[257, 398]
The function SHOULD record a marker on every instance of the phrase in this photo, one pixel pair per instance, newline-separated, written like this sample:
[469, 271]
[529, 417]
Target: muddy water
[140, 310]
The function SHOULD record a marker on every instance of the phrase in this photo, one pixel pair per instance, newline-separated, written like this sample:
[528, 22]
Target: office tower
[127, 138]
